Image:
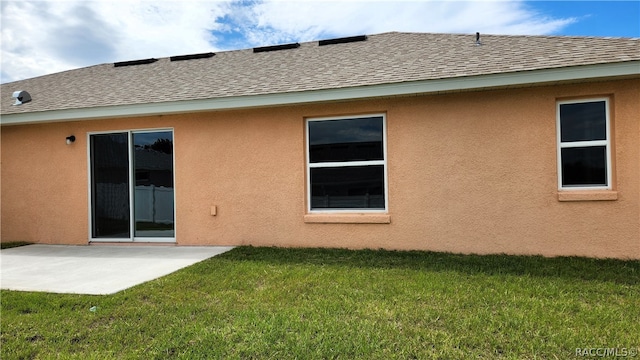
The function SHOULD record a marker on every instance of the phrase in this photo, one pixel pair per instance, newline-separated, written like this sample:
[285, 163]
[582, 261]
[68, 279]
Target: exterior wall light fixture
[70, 139]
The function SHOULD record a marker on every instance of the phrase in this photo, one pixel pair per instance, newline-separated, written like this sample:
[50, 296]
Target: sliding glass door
[153, 171]
[110, 210]
[132, 192]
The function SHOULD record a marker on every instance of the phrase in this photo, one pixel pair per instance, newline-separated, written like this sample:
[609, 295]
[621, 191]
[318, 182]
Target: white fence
[154, 204]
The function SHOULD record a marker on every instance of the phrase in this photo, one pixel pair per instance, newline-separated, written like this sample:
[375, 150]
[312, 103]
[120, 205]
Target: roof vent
[478, 42]
[192, 56]
[343, 40]
[21, 97]
[276, 47]
[134, 62]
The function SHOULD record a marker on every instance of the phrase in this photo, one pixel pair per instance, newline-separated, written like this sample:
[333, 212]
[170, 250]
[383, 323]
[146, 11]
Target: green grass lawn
[268, 303]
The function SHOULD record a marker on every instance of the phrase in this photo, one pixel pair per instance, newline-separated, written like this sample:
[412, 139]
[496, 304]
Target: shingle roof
[387, 58]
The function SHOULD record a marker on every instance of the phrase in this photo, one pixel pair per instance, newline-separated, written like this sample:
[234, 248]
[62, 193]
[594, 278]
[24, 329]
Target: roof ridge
[372, 36]
[510, 35]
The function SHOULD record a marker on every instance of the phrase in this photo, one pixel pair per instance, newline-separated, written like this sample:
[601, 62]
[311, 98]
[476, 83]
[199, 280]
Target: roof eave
[467, 83]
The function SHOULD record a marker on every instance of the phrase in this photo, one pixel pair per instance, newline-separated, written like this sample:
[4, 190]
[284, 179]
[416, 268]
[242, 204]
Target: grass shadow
[570, 268]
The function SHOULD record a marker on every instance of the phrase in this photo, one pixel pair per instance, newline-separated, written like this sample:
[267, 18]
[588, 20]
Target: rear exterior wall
[472, 172]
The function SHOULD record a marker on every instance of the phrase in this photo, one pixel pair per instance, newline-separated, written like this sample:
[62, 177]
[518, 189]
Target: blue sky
[595, 18]
[39, 37]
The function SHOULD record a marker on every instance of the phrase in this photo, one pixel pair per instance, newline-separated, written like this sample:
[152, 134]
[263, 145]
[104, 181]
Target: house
[504, 144]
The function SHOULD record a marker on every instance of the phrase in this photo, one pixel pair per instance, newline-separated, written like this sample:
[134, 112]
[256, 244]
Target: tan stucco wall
[472, 172]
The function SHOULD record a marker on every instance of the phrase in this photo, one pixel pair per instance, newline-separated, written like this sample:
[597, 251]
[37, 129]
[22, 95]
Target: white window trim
[383, 162]
[132, 238]
[606, 143]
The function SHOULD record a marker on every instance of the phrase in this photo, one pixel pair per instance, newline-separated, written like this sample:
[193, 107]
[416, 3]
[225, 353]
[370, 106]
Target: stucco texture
[469, 172]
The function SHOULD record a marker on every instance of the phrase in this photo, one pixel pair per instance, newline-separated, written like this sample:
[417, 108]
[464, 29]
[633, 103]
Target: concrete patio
[94, 270]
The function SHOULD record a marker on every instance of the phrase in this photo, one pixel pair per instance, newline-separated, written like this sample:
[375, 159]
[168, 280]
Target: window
[584, 151]
[346, 164]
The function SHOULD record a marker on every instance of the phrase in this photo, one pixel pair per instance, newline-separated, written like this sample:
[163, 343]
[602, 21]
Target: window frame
[585, 143]
[383, 162]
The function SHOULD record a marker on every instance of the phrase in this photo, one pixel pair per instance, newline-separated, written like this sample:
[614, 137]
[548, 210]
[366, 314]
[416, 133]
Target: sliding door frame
[132, 180]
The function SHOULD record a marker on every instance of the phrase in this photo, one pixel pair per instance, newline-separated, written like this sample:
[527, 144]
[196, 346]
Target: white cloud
[307, 20]
[41, 37]
[153, 29]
